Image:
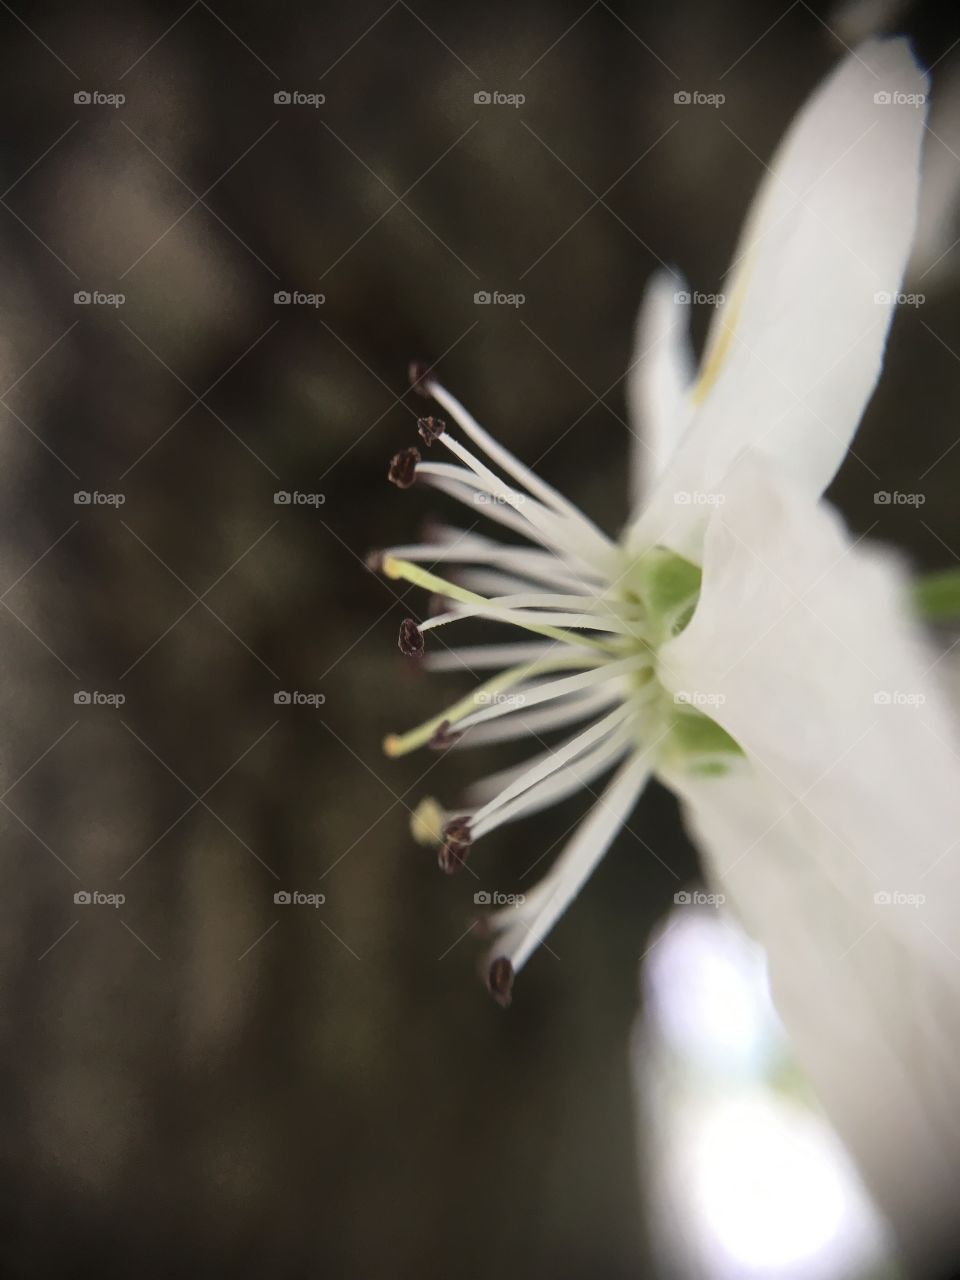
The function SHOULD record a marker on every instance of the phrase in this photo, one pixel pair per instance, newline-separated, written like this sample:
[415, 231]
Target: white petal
[794, 354]
[803, 649]
[659, 380]
[875, 1030]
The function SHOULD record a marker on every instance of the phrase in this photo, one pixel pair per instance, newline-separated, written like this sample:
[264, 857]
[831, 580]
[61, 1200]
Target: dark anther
[403, 468]
[431, 429]
[456, 845]
[411, 639]
[500, 980]
[444, 737]
[420, 375]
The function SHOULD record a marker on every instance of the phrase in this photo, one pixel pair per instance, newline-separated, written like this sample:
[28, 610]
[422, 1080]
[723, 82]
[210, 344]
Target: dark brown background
[202, 1080]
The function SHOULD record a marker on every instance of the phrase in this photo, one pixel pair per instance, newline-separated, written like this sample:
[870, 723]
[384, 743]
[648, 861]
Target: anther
[500, 980]
[420, 377]
[374, 561]
[403, 468]
[456, 845]
[431, 429]
[444, 737]
[410, 639]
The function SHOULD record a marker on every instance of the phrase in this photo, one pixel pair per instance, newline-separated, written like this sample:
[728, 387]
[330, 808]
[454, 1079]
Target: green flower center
[666, 588]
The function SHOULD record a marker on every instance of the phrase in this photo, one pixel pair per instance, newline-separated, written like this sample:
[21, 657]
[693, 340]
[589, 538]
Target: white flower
[737, 643]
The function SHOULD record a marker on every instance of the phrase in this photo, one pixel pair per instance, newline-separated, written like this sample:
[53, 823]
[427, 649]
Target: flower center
[666, 587]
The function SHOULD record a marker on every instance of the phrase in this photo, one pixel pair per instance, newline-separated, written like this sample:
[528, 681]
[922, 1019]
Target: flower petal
[795, 352]
[803, 649]
[659, 381]
[875, 1030]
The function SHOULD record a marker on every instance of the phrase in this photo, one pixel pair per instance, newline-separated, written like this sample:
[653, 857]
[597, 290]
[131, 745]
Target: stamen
[447, 544]
[426, 823]
[500, 981]
[551, 762]
[409, 572]
[400, 744]
[403, 468]
[514, 467]
[420, 378]
[431, 429]
[410, 639]
[573, 536]
[444, 738]
[456, 845]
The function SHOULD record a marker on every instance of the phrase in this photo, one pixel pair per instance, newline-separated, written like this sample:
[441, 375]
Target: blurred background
[199, 1077]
